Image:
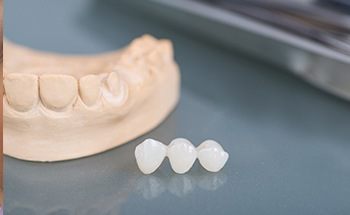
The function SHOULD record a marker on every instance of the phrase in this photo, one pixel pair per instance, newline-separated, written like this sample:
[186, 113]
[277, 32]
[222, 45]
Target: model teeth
[21, 91]
[113, 83]
[90, 89]
[212, 156]
[85, 104]
[163, 51]
[166, 48]
[142, 45]
[115, 91]
[58, 91]
[182, 154]
[150, 155]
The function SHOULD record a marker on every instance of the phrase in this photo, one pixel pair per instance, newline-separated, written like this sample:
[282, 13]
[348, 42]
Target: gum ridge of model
[59, 107]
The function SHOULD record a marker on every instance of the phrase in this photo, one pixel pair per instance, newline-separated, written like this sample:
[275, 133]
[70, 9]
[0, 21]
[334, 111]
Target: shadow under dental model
[98, 184]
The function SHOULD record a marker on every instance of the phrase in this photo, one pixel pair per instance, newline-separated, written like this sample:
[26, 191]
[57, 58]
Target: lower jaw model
[59, 107]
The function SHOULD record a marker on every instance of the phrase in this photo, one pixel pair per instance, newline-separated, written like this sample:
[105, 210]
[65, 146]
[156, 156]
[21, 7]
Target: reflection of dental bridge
[64, 107]
[151, 187]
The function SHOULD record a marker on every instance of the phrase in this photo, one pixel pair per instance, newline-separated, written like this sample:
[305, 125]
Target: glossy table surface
[289, 143]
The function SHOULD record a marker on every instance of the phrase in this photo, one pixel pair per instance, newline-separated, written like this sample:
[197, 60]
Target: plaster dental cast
[59, 107]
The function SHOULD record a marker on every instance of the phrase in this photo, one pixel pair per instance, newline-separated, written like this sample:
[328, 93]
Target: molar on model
[162, 53]
[113, 83]
[114, 90]
[21, 91]
[142, 45]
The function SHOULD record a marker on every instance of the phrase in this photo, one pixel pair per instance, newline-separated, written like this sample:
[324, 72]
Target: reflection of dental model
[63, 107]
[181, 153]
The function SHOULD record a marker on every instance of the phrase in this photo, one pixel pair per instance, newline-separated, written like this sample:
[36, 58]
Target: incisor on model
[59, 107]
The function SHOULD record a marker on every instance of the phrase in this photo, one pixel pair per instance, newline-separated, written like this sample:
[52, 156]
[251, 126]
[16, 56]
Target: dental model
[182, 155]
[59, 107]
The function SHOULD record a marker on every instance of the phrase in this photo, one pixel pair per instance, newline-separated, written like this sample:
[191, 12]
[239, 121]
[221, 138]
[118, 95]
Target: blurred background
[270, 80]
[307, 37]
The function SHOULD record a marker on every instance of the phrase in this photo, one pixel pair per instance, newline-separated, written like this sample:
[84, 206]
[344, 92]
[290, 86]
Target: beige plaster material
[59, 107]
